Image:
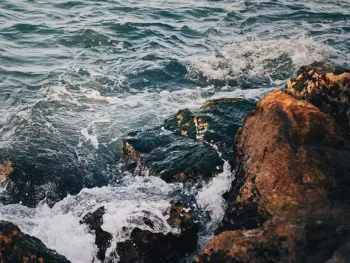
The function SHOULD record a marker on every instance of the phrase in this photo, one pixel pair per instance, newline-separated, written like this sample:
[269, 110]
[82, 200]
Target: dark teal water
[77, 76]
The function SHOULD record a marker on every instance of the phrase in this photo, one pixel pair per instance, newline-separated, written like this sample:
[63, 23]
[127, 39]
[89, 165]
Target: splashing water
[253, 56]
[77, 76]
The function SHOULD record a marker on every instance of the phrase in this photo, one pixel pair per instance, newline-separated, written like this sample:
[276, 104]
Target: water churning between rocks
[76, 77]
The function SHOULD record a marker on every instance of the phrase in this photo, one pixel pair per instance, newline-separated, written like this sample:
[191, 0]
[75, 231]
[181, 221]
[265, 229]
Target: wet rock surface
[187, 146]
[103, 239]
[216, 123]
[171, 157]
[146, 246]
[5, 170]
[326, 87]
[293, 157]
[16, 246]
[290, 200]
[278, 240]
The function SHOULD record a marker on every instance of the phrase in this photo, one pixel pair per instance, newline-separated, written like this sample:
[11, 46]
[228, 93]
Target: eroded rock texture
[186, 146]
[171, 157]
[290, 200]
[279, 240]
[326, 87]
[17, 247]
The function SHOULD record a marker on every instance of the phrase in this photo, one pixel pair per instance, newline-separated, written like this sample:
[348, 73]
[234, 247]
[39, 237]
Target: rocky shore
[289, 201]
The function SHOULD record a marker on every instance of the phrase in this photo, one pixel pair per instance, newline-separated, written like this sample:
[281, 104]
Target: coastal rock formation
[102, 238]
[294, 178]
[144, 246]
[293, 156]
[143, 243]
[215, 122]
[185, 147]
[16, 246]
[326, 87]
[279, 240]
[171, 157]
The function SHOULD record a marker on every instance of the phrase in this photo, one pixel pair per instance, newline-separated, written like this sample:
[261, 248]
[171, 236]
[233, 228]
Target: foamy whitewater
[78, 76]
[107, 119]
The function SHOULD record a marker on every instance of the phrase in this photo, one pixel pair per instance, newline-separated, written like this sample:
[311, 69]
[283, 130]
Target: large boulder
[216, 123]
[326, 87]
[190, 144]
[16, 246]
[293, 158]
[294, 177]
[171, 157]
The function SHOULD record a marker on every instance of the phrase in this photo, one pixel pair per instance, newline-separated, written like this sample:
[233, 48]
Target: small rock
[15, 246]
[144, 246]
[102, 238]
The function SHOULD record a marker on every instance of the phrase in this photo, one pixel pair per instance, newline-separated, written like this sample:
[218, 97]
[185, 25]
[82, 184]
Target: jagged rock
[278, 240]
[326, 87]
[216, 122]
[16, 246]
[294, 160]
[144, 246]
[185, 148]
[294, 178]
[102, 238]
[171, 157]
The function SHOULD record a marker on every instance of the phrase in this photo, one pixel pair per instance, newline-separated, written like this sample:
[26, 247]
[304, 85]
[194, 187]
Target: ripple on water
[77, 76]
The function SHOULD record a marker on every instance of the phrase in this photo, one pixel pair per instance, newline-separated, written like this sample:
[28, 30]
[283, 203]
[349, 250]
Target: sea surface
[77, 76]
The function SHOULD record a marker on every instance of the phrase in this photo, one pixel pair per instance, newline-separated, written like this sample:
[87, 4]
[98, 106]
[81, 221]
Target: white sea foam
[210, 197]
[59, 228]
[96, 95]
[89, 137]
[253, 56]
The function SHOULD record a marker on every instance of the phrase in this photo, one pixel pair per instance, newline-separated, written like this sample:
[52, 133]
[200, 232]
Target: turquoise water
[77, 76]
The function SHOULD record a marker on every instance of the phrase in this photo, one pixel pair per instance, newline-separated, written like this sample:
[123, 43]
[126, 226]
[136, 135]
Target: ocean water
[77, 76]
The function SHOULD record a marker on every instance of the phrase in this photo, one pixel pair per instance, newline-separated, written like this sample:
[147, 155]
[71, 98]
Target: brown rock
[18, 247]
[326, 87]
[5, 170]
[292, 190]
[279, 240]
[293, 157]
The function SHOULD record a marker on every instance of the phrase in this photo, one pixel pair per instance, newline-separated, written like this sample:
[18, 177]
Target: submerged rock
[103, 239]
[187, 146]
[16, 246]
[216, 123]
[326, 87]
[173, 158]
[294, 178]
[146, 246]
